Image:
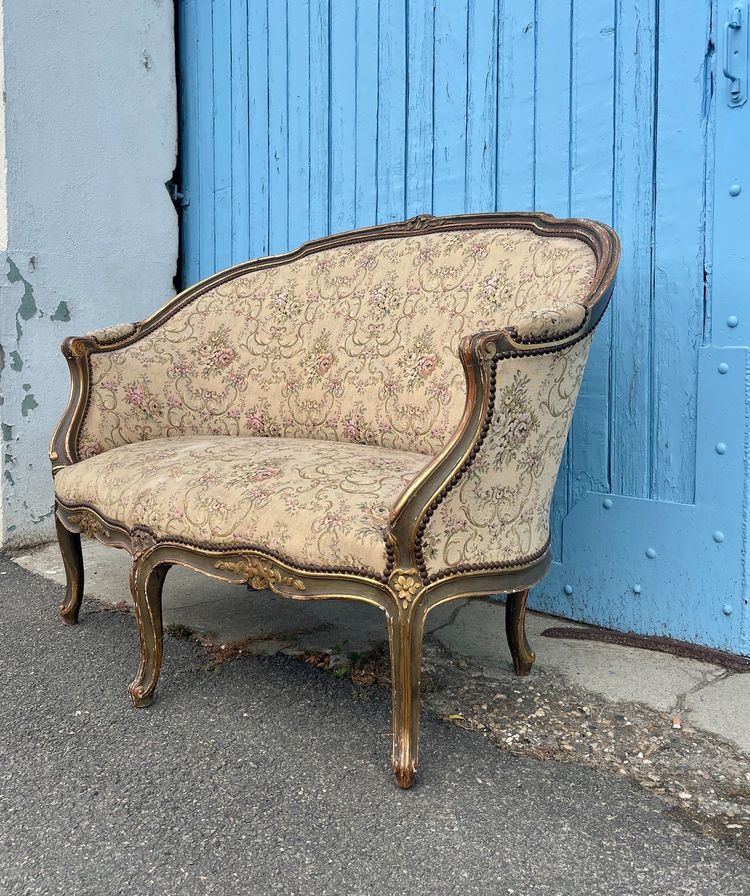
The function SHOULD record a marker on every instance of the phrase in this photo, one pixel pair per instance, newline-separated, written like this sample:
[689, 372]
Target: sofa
[376, 416]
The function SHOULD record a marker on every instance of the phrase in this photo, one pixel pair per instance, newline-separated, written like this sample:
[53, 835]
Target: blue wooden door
[307, 117]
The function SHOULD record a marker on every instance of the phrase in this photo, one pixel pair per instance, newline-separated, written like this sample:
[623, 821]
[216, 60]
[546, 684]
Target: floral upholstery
[357, 343]
[499, 510]
[288, 408]
[315, 503]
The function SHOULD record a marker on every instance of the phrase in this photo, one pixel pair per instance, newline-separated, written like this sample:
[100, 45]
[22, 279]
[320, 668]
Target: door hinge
[736, 52]
[178, 196]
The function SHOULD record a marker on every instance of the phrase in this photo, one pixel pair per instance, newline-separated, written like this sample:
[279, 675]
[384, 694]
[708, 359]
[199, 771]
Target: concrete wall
[90, 139]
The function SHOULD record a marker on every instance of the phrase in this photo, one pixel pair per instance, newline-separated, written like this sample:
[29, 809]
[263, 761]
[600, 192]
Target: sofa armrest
[77, 350]
[485, 357]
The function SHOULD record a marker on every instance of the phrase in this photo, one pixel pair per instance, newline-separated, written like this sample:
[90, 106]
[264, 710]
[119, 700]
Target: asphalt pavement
[264, 775]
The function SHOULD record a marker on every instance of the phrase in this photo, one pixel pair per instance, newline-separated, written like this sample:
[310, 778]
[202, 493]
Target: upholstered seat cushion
[316, 503]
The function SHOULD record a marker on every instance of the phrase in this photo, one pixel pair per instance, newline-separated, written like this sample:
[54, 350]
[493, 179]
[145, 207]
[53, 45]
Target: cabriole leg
[146, 583]
[515, 627]
[70, 548]
[405, 638]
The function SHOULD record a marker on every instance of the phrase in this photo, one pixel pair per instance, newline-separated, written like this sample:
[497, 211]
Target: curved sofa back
[353, 338]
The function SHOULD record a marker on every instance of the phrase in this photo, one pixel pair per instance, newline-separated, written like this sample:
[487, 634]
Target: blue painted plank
[552, 111]
[343, 34]
[205, 116]
[222, 136]
[366, 114]
[552, 165]
[481, 106]
[678, 249]
[591, 183]
[299, 123]
[278, 129]
[189, 156]
[450, 98]
[630, 311]
[515, 150]
[319, 118]
[257, 54]
[240, 210]
[391, 197]
[419, 117]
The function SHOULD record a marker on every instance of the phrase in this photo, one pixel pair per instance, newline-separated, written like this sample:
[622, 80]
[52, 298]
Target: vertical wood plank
[515, 152]
[189, 157]
[366, 112]
[591, 183]
[420, 124]
[481, 106]
[299, 122]
[257, 37]
[278, 128]
[204, 51]
[450, 99]
[343, 34]
[319, 118]
[552, 107]
[222, 136]
[552, 166]
[678, 249]
[240, 148]
[392, 77]
[630, 311]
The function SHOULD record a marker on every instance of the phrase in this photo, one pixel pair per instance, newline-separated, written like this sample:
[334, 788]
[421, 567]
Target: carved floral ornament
[89, 524]
[141, 541]
[260, 574]
[406, 584]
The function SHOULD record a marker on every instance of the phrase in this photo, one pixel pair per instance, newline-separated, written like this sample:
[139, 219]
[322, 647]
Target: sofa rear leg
[146, 583]
[72, 557]
[405, 634]
[515, 627]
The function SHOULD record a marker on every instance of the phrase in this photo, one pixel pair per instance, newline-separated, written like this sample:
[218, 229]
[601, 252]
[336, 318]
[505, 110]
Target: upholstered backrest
[358, 342]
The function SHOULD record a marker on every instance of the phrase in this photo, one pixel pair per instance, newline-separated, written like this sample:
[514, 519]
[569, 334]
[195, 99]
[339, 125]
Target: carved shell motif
[260, 574]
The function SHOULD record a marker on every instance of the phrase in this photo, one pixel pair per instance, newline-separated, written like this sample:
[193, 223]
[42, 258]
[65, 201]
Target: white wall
[90, 140]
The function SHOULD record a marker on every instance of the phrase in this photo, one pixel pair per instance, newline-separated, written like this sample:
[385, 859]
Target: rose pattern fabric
[499, 510]
[315, 503]
[355, 344]
[289, 407]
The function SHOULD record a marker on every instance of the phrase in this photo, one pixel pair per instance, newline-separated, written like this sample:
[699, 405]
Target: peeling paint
[16, 361]
[28, 404]
[7, 432]
[8, 476]
[27, 309]
[62, 312]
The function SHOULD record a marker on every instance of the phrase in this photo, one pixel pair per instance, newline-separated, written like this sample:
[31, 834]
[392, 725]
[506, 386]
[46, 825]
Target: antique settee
[377, 416]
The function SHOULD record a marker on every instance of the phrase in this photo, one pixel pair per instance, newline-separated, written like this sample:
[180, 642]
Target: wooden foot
[405, 638]
[146, 583]
[515, 627]
[70, 548]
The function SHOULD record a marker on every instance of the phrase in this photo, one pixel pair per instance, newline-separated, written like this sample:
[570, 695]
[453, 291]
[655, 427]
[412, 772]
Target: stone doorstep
[473, 631]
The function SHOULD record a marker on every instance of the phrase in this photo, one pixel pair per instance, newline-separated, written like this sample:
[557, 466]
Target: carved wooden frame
[405, 591]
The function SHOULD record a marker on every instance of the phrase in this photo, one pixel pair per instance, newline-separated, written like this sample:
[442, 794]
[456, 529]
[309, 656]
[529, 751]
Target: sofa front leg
[515, 628]
[72, 557]
[146, 583]
[405, 633]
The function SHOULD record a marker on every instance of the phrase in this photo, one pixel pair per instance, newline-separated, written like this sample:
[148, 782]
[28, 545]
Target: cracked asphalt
[266, 776]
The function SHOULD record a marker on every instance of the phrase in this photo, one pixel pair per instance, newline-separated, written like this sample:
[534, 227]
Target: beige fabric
[499, 510]
[313, 502]
[354, 344]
